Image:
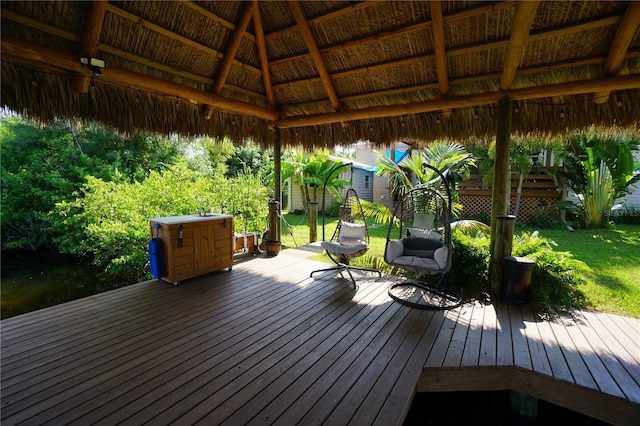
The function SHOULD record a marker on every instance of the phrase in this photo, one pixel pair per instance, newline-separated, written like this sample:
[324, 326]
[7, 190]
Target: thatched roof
[325, 72]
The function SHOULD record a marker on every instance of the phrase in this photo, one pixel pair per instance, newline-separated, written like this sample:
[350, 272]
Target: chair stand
[424, 296]
[345, 267]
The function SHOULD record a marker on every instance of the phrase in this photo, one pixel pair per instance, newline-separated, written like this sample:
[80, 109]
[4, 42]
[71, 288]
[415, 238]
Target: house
[362, 181]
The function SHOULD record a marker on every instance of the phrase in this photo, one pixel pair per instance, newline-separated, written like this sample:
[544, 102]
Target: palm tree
[309, 171]
[450, 158]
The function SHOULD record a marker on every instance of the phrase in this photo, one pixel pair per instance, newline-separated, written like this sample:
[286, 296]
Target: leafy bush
[555, 279]
[109, 221]
[470, 263]
[556, 276]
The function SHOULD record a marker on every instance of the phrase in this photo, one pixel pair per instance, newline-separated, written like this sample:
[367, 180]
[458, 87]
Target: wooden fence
[539, 195]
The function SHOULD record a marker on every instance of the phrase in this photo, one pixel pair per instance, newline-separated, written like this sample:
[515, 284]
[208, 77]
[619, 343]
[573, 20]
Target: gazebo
[322, 73]
[318, 74]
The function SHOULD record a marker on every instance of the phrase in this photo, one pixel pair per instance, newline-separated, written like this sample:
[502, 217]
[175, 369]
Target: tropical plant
[309, 171]
[450, 158]
[599, 169]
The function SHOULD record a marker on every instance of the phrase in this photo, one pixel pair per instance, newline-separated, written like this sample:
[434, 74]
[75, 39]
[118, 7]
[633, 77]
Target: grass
[612, 285]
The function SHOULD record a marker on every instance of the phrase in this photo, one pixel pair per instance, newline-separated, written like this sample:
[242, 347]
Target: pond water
[36, 280]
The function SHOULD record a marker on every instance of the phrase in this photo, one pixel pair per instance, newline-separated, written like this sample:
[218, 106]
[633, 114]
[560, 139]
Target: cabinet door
[204, 246]
[223, 248]
[181, 259]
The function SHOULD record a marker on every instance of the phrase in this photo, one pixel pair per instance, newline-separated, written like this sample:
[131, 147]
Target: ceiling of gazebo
[324, 72]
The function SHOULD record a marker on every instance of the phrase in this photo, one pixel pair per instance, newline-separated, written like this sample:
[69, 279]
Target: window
[366, 182]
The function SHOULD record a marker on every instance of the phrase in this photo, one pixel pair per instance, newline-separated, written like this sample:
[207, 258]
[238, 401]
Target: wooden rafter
[122, 77]
[396, 32]
[184, 40]
[437, 31]
[335, 14]
[474, 79]
[625, 33]
[90, 42]
[599, 23]
[310, 41]
[211, 16]
[464, 49]
[627, 82]
[523, 18]
[262, 53]
[232, 49]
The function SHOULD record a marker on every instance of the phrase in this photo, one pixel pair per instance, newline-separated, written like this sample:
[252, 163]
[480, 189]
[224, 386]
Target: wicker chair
[350, 239]
[419, 240]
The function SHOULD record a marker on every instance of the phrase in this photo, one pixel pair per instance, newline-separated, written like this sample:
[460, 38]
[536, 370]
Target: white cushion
[422, 233]
[338, 248]
[351, 233]
[424, 221]
[417, 262]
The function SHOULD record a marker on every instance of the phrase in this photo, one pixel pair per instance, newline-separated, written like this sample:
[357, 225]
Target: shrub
[556, 276]
[470, 263]
[555, 279]
[109, 221]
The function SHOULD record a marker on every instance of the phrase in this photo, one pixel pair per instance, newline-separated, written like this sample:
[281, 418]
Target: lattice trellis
[478, 204]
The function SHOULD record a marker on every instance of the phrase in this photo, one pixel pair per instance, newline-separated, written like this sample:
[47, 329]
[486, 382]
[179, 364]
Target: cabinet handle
[180, 237]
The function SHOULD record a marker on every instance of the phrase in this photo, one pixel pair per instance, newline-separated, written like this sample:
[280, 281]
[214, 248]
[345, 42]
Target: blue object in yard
[156, 262]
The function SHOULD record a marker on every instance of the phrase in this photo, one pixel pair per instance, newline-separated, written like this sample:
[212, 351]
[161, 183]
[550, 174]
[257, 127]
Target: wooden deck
[266, 344]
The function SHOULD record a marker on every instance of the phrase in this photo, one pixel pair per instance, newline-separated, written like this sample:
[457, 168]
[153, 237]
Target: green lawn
[613, 256]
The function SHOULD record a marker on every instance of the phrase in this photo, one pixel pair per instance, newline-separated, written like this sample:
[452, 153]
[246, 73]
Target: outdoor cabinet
[194, 245]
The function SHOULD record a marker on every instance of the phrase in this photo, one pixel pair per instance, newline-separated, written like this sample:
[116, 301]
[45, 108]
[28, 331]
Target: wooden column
[277, 174]
[505, 226]
[313, 221]
[501, 179]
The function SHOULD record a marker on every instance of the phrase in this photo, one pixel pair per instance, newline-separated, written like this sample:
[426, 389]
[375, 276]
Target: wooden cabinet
[194, 245]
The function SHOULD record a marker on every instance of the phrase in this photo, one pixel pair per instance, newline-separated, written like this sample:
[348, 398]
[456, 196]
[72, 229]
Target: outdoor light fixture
[95, 65]
[619, 101]
[562, 114]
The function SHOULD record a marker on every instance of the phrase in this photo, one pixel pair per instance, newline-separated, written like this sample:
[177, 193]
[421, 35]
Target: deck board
[265, 344]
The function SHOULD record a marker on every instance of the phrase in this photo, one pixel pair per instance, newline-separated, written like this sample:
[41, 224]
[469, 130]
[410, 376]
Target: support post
[313, 221]
[504, 240]
[277, 177]
[501, 177]
[272, 242]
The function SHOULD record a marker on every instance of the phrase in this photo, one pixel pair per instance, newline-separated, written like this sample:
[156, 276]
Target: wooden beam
[213, 17]
[90, 41]
[398, 31]
[460, 50]
[310, 41]
[560, 89]
[184, 40]
[622, 39]
[525, 13]
[437, 31]
[135, 80]
[262, 53]
[232, 49]
[67, 35]
[335, 14]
